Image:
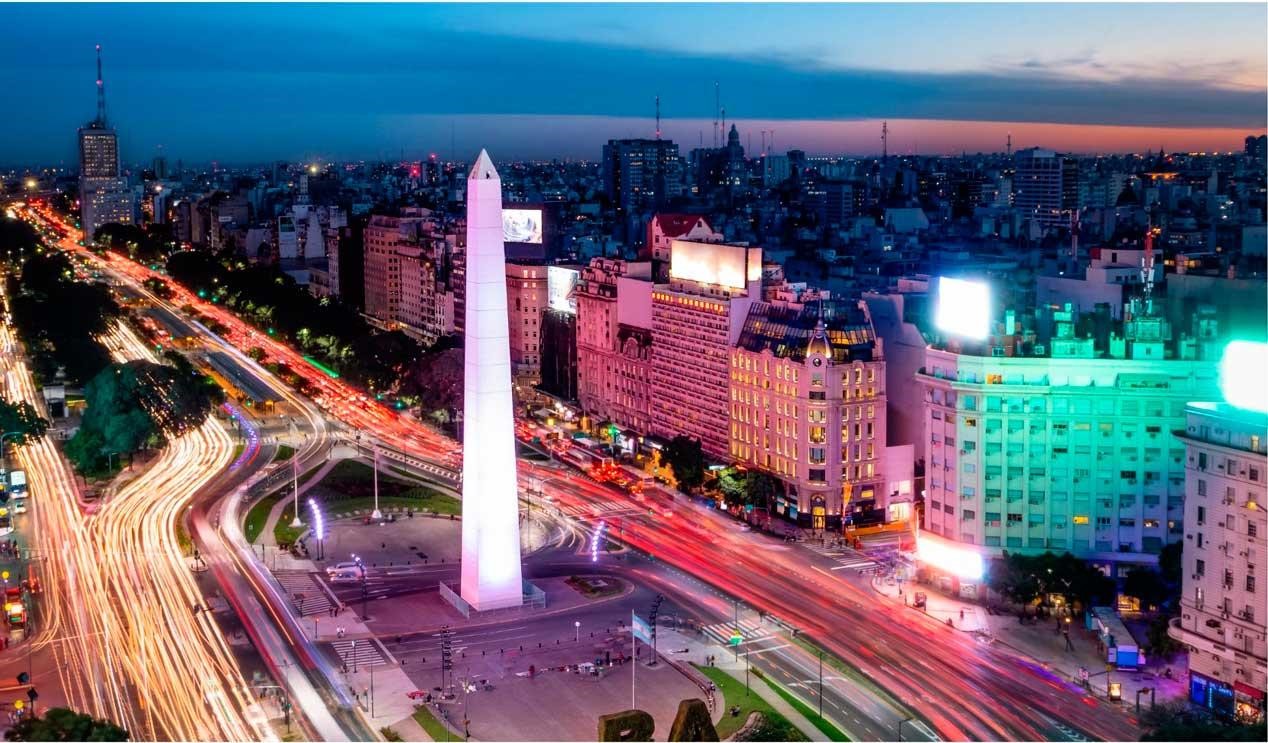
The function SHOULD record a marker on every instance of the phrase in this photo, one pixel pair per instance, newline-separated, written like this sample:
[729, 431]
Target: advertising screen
[522, 226]
[708, 263]
[560, 282]
[963, 308]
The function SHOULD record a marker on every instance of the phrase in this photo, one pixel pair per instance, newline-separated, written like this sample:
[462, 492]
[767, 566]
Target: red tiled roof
[676, 225]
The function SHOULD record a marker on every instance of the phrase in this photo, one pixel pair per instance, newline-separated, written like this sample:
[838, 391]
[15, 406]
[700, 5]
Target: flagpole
[634, 653]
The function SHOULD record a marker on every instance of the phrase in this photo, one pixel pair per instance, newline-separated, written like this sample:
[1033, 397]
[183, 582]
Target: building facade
[640, 175]
[696, 320]
[1029, 454]
[1223, 606]
[808, 406]
[526, 305]
[614, 358]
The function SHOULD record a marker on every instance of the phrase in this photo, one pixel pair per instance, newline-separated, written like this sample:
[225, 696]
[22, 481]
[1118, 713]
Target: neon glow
[1242, 375]
[959, 561]
[321, 367]
[522, 226]
[560, 282]
[964, 308]
[319, 523]
[595, 538]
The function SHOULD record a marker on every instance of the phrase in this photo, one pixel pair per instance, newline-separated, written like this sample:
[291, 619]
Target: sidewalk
[1044, 647]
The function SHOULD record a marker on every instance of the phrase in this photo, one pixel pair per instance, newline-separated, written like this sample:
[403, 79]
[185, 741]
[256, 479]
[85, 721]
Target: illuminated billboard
[731, 266]
[560, 282]
[1242, 375]
[963, 308]
[962, 562]
[522, 226]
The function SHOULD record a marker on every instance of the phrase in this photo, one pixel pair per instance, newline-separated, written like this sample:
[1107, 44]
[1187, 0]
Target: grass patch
[253, 525]
[594, 587]
[434, 728]
[733, 695]
[283, 532]
[390, 734]
[349, 486]
[237, 451]
[182, 539]
[284, 453]
[825, 727]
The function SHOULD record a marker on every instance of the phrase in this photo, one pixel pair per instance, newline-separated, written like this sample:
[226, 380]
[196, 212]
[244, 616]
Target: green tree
[1170, 564]
[22, 418]
[760, 488]
[1177, 721]
[62, 724]
[1147, 585]
[731, 483]
[686, 458]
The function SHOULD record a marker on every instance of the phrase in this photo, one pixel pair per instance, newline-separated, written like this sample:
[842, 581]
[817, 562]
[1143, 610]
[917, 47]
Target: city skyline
[1044, 77]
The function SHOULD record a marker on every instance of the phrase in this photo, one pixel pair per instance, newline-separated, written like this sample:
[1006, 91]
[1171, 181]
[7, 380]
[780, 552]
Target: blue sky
[251, 82]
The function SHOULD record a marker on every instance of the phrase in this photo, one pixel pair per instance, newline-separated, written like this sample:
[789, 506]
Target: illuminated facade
[808, 406]
[104, 201]
[696, 320]
[1073, 453]
[526, 303]
[491, 576]
[614, 342]
[1223, 620]
[386, 238]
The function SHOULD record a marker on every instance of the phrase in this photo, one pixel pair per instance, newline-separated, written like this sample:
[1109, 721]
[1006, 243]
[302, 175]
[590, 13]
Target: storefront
[1248, 703]
[1211, 693]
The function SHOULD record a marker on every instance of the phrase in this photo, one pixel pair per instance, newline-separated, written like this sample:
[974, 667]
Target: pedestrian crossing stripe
[749, 631]
[313, 597]
[361, 653]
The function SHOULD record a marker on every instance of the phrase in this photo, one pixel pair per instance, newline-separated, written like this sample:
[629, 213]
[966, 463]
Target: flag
[641, 630]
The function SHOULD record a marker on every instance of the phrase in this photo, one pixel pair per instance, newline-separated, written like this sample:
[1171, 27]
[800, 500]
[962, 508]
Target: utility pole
[820, 684]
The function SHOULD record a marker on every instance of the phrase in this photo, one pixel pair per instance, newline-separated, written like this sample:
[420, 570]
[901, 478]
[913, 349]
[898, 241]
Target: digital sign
[1241, 375]
[963, 308]
[731, 266]
[560, 282]
[522, 226]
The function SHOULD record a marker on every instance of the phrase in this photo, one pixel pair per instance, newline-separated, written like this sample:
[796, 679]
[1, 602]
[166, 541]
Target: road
[963, 689]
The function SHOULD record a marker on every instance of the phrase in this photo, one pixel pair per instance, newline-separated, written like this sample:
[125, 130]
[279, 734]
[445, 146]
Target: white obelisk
[491, 576]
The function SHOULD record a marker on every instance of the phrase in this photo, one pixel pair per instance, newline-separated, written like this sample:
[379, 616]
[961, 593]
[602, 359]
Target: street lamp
[295, 522]
[319, 529]
[577, 626]
[377, 515]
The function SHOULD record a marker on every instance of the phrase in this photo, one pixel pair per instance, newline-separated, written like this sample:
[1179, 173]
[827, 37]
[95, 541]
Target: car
[418, 694]
[343, 567]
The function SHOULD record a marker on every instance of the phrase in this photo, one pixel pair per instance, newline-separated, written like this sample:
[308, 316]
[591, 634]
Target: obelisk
[491, 576]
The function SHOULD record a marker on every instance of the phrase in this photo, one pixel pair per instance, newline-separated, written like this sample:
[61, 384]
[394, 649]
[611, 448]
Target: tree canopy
[1177, 721]
[1024, 578]
[20, 417]
[686, 458]
[62, 724]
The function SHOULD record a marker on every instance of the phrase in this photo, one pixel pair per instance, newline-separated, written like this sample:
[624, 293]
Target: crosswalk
[602, 510]
[359, 653]
[303, 592]
[845, 558]
[749, 630]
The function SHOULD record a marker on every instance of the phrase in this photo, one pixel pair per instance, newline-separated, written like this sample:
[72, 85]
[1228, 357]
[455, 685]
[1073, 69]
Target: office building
[640, 176]
[1223, 606]
[104, 197]
[614, 342]
[1065, 451]
[808, 406]
[1045, 186]
[696, 320]
[385, 238]
[526, 305]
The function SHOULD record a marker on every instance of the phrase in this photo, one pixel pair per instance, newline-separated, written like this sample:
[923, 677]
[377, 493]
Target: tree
[731, 483]
[22, 418]
[686, 459]
[1177, 721]
[1170, 565]
[62, 724]
[1147, 585]
[760, 488]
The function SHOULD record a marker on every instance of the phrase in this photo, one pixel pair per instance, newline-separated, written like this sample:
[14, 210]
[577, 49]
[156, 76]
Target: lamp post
[577, 626]
[377, 515]
[295, 522]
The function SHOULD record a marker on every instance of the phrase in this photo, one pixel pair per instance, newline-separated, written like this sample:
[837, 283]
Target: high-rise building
[1223, 608]
[614, 342]
[640, 176]
[385, 237]
[696, 320]
[526, 305]
[1068, 451]
[104, 197]
[808, 406]
[1045, 186]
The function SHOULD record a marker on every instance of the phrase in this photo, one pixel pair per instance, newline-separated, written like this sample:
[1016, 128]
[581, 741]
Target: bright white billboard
[709, 263]
[522, 226]
[560, 282]
[963, 308]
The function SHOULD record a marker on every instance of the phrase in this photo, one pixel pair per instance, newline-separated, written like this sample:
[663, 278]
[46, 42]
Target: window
[1250, 583]
[1252, 529]
[818, 476]
[1014, 518]
[1201, 515]
[970, 515]
[1199, 567]
[1201, 487]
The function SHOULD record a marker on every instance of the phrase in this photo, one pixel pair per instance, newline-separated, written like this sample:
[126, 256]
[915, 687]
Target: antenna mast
[101, 92]
[658, 117]
[1147, 265]
[884, 140]
[717, 106]
[1008, 146]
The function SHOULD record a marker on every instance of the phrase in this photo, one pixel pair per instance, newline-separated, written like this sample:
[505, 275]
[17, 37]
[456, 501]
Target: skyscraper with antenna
[104, 197]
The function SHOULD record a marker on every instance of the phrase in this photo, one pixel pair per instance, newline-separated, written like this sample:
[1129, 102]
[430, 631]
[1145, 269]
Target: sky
[254, 82]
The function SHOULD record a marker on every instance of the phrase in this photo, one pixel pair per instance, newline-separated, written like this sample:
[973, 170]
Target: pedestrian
[961, 614]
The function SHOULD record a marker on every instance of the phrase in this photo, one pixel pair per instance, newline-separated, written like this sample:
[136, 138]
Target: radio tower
[717, 106]
[101, 93]
[658, 117]
[1147, 266]
[1008, 145]
[1074, 238]
[884, 141]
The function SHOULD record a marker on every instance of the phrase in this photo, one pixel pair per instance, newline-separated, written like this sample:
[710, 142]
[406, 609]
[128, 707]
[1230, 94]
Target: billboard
[560, 282]
[522, 226]
[730, 266]
[963, 308]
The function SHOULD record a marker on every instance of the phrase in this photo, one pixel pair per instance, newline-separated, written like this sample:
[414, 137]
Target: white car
[344, 567]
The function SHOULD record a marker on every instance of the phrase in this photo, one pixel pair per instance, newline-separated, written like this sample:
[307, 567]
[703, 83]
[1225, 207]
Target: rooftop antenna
[722, 133]
[1074, 237]
[763, 143]
[1147, 265]
[658, 117]
[717, 106]
[884, 141]
[772, 140]
[1008, 146]
[101, 92]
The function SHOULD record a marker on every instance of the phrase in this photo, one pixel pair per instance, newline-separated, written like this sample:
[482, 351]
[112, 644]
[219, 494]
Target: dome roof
[818, 344]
